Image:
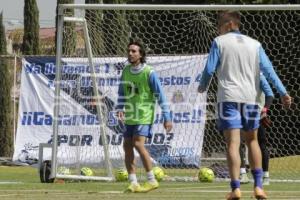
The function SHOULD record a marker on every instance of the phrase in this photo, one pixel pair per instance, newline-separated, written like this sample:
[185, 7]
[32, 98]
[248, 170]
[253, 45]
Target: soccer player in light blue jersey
[238, 60]
[138, 92]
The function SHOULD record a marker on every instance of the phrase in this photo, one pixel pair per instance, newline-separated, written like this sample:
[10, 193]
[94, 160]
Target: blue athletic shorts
[141, 130]
[238, 115]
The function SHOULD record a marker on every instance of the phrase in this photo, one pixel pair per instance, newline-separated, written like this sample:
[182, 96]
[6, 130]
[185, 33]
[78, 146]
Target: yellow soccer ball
[158, 173]
[206, 175]
[121, 175]
[63, 170]
[85, 171]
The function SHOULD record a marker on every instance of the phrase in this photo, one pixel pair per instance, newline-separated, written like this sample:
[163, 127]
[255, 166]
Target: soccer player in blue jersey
[139, 90]
[238, 60]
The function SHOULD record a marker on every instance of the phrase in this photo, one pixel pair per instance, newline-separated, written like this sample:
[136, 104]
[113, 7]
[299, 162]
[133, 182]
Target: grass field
[24, 183]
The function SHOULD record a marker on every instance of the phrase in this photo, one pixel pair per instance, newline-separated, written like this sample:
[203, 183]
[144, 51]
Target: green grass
[285, 167]
[25, 184]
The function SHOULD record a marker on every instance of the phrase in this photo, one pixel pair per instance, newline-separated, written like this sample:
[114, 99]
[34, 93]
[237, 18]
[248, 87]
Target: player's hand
[121, 116]
[286, 100]
[264, 118]
[201, 89]
[168, 126]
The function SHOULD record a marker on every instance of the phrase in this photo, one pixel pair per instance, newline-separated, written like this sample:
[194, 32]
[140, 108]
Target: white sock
[266, 174]
[243, 170]
[132, 179]
[150, 176]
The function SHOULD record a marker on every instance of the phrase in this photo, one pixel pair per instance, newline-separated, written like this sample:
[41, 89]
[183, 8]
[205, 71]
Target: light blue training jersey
[238, 60]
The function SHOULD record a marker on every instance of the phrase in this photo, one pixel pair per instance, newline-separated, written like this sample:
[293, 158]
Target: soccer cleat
[244, 179]
[148, 186]
[266, 181]
[133, 188]
[259, 193]
[234, 195]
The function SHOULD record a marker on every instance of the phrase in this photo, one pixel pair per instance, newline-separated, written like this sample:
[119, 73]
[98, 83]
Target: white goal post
[92, 42]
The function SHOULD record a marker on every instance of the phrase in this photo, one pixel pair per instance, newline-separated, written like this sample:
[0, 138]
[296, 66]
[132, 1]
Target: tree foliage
[94, 20]
[109, 29]
[30, 44]
[69, 34]
[117, 29]
[6, 143]
[2, 36]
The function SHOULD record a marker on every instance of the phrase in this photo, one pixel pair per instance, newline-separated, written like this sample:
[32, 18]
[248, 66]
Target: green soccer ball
[121, 175]
[85, 171]
[206, 175]
[158, 173]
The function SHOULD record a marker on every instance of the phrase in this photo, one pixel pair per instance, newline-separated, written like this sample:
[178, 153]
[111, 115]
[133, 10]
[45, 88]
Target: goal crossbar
[178, 7]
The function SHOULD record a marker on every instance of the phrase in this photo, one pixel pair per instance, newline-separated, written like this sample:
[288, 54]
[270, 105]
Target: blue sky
[13, 12]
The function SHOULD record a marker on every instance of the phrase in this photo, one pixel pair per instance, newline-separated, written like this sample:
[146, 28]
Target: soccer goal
[91, 53]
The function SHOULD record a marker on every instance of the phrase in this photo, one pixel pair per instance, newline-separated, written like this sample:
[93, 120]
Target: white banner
[79, 138]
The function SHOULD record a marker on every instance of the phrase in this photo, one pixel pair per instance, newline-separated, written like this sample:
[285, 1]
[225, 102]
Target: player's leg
[253, 149]
[232, 137]
[250, 118]
[139, 142]
[255, 162]
[142, 132]
[243, 173]
[128, 146]
[129, 158]
[229, 121]
[262, 141]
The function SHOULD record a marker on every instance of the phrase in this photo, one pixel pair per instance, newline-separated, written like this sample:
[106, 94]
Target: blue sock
[235, 184]
[257, 176]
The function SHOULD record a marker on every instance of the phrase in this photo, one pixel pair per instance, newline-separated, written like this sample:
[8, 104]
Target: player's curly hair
[140, 44]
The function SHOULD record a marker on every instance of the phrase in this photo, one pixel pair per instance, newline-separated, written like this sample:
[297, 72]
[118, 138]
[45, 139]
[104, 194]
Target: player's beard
[136, 62]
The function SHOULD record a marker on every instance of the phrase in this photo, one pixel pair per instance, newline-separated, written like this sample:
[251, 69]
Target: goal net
[92, 51]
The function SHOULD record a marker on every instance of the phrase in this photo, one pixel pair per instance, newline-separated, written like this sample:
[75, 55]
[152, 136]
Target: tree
[117, 29]
[69, 34]
[31, 28]
[6, 143]
[94, 20]
[2, 37]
